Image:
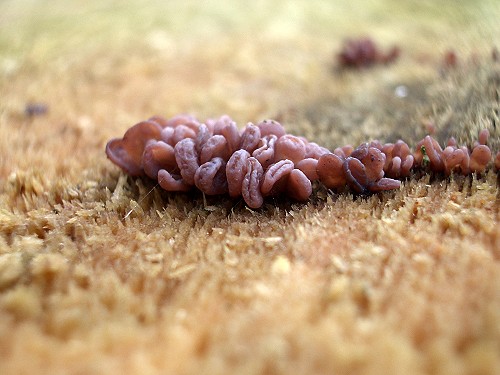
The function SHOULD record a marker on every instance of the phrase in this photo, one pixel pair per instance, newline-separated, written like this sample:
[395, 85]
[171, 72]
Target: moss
[102, 273]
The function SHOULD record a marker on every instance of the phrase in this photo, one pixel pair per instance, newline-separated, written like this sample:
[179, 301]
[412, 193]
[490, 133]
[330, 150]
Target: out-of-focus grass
[44, 30]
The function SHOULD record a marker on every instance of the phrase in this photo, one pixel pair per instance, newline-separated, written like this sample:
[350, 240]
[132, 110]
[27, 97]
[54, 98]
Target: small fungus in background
[363, 53]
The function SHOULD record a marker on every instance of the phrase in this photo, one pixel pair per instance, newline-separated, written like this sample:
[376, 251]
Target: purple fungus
[127, 152]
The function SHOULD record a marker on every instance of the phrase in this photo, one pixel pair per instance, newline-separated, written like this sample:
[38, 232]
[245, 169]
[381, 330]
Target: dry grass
[400, 282]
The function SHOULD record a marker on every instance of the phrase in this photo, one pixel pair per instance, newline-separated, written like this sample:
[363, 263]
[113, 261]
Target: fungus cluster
[363, 52]
[454, 158]
[262, 160]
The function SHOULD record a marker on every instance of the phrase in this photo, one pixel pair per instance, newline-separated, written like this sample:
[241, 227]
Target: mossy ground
[101, 273]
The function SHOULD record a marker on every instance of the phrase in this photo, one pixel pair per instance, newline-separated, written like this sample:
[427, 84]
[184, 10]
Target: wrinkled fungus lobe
[261, 160]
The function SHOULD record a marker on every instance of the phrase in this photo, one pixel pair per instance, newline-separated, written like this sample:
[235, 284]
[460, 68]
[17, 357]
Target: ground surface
[401, 282]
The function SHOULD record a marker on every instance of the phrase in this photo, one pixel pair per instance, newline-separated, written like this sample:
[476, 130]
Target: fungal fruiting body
[363, 53]
[262, 160]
